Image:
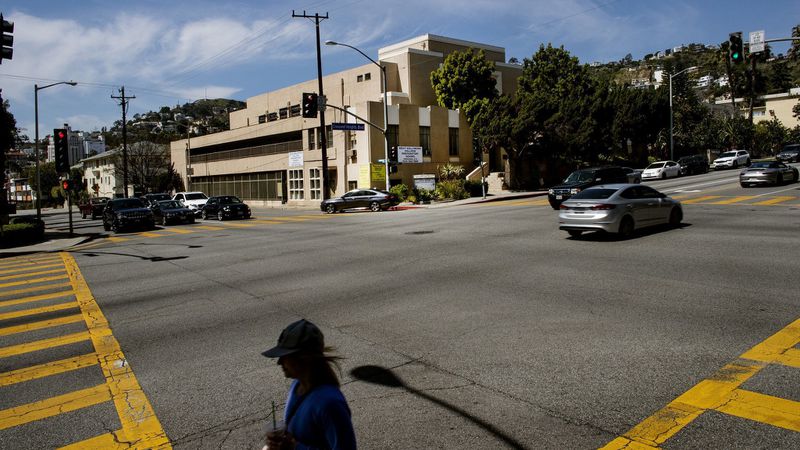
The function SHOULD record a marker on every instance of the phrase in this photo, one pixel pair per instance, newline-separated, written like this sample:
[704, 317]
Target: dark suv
[789, 153]
[127, 212]
[693, 164]
[584, 178]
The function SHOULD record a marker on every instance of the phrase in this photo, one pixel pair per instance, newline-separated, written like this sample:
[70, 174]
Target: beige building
[779, 106]
[272, 155]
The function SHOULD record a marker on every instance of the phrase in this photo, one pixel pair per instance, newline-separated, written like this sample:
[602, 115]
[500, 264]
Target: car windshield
[727, 155]
[594, 194]
[158, 197]
[657, 165]
[229, 200]
[170, 204]
[580, 176]
[196, 196]
[763, 165]
[128, 204]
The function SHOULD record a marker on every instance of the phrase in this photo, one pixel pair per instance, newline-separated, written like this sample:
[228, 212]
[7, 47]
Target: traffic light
[66, 185]
[393, 155]
[7, 41]
[61, 143]
[310, 105]
[735, 48]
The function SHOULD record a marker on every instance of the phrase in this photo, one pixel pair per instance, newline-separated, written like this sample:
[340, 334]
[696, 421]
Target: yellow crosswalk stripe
[18, 262]
[34, 311]
[236, 224]
[775, 200]
[209, 228]
[47, 369]
[41, 325]
[116, 239]
[778, 412]
[34, 298]
[33, 281]
[53, 406]
[31, 274]
[149, 234]
[178, 230]
[288, 219]
[704, 198]
[738, 199]
[267, 222]
[28, 347]
[42, 287]
[46, 266]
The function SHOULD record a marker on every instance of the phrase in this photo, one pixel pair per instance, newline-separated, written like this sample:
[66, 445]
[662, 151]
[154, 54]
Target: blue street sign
[347, 126]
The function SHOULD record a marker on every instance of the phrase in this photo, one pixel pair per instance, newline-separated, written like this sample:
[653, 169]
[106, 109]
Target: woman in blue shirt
[316, 413]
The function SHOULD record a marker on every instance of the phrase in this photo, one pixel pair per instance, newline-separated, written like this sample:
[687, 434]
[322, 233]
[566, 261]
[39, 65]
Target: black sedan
[171, 211]
[150, 200]
[789, 153]
[374, 199]
[225, 207]
[121, 213]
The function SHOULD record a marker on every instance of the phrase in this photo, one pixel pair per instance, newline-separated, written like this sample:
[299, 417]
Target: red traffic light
[65, 185]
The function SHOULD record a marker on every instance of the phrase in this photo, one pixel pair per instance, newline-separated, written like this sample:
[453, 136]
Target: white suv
[192, 200]
[731, 159]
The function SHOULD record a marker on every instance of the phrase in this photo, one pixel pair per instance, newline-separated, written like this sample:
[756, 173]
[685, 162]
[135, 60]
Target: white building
[100, 175]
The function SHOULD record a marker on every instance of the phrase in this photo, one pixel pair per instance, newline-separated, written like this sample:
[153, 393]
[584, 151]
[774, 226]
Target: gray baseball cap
[298, 336]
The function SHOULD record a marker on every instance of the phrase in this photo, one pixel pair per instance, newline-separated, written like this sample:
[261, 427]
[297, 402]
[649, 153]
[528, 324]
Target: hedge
[22, 231]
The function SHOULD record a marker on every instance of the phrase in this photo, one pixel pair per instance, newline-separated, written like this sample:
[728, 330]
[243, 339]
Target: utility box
[425, 181]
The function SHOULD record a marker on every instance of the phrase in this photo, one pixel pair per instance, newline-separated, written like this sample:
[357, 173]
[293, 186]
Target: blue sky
[168, 53]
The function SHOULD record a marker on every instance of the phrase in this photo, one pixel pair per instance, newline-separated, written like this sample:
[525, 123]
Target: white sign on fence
[756, 41]
[409, 155]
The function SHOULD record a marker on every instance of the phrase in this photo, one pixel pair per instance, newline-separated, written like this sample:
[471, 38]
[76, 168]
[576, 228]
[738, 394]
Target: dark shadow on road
[601, 236]
[92, 254]
[385, 377]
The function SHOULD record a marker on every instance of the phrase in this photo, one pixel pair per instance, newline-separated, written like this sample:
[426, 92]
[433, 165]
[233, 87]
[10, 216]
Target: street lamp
[688, 70]
[36, 89]
[385, 108]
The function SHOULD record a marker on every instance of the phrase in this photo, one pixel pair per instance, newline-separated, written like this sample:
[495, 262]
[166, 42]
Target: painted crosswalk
[686, 199]
[49, 315]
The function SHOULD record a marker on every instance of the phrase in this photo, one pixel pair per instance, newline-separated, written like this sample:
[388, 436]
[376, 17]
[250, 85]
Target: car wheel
[626, 227]
[204, 215]
[779, 180]
[374, 206]
[220, 216]
[675, 217]
[94, 216]
[330, 208]
[115, 226]
[796, 176]
[744, 185]
[575, 233]
[663, 176]
[106, 227]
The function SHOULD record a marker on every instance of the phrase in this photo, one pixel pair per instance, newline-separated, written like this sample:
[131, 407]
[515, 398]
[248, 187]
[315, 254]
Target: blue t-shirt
[321, 418]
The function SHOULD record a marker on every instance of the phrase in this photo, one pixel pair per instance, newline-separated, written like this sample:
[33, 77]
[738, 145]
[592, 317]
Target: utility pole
[325, 186]
[124, 103]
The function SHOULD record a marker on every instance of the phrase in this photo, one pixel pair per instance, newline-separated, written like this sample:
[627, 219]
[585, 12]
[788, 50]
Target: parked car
[225, 207]
[166, 212]
[93, 207]
[732, 159]
[768, 172]
[634, 175]
[121, 213]
[151, 200]
[693, 164]
[661, 170]
[789, 153]
[618, 208]
[192, 200]
[374, 199]
[582, 179]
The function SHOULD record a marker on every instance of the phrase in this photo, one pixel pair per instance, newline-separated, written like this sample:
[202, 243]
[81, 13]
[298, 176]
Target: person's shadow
[385, 377]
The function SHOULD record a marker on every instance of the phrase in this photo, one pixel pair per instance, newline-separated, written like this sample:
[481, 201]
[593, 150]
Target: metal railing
[249, 152]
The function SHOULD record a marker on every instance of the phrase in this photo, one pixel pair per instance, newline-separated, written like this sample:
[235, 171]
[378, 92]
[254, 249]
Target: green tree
[49, 178]
[464, 81]
[770, 137]
[146, 160]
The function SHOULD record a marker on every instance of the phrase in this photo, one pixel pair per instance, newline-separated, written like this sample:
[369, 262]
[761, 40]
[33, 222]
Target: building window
[391, 135]
[272, 117]
[453, 145]
[262, 118]
[425, 140]
[360, 78]
[283, 113]
[296, 184]
[315, 183]
[330, 135]
[352, 184]
[311, 142]
[367, 76]
[294, 111]
[247, 186]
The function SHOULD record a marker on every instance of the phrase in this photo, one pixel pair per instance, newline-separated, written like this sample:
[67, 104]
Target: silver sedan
[768, 172]
[618, 208]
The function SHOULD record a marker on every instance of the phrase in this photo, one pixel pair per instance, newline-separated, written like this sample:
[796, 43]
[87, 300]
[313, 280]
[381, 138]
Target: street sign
[756, 41]
[347, 126]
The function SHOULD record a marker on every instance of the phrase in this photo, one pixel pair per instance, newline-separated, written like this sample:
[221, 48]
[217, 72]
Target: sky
[169, 53]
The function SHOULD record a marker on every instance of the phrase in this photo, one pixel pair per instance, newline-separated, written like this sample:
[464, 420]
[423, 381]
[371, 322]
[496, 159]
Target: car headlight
[226, 208]
[551, 192]
[574, 191]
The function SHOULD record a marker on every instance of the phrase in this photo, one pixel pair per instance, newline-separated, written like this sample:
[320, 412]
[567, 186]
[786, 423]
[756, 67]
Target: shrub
[423, 195]
[451, 171]
[451, 189]
[474, 188]
[21, 233]
[401, 190]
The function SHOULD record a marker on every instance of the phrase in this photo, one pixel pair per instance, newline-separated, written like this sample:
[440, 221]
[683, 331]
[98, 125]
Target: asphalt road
[499, 330]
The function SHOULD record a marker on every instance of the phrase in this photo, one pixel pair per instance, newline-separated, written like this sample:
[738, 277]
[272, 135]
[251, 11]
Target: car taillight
[563, 206]
[603, 206]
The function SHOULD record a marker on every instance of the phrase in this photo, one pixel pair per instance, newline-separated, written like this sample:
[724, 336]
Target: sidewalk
[58, 241]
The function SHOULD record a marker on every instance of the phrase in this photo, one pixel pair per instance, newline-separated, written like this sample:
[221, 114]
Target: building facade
[272, 155]
[100, 175]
